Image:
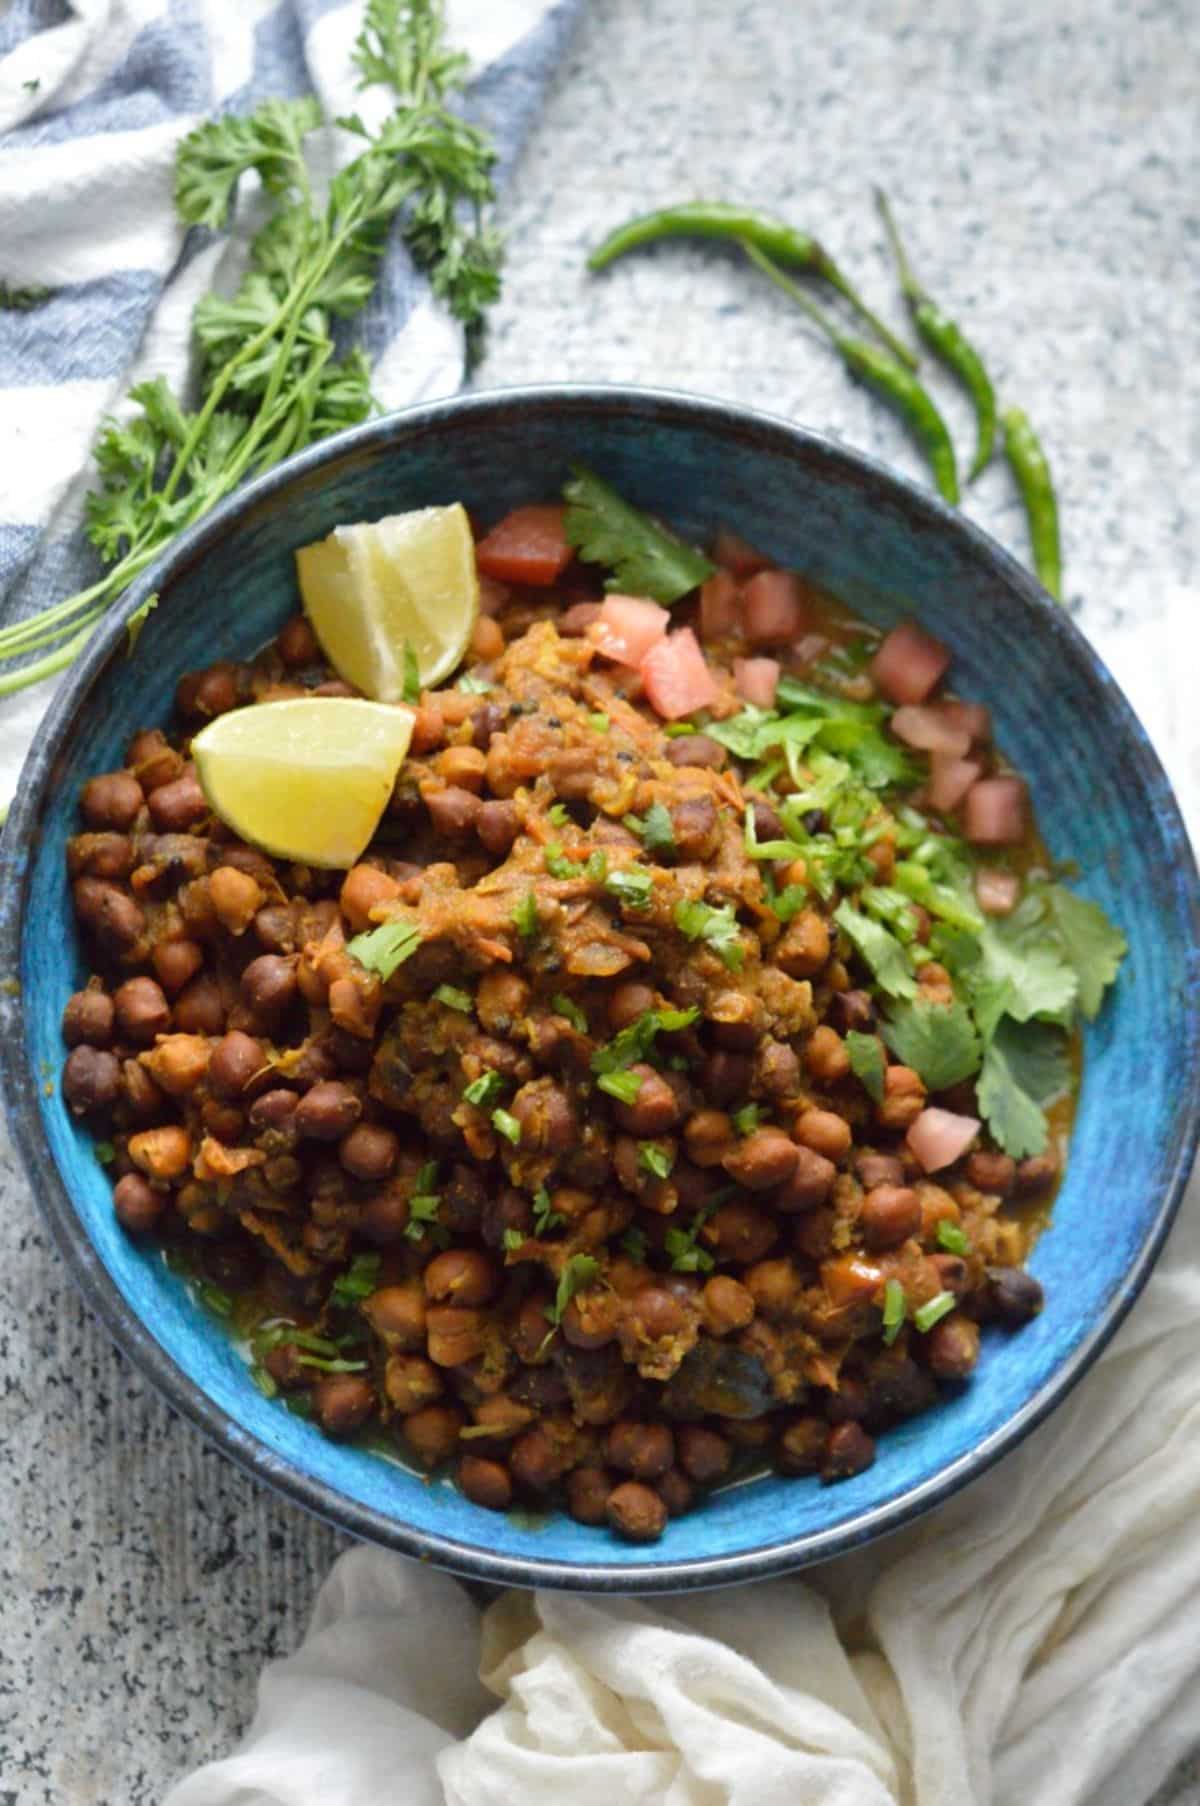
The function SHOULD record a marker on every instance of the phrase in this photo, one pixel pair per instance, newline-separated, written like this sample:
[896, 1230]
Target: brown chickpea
[141, 1099]
[878, 1169]
[654, 1111]
[501, 1000]
[848, 1451]
[546, 1116]
[740, 1232]
[991, 1172]
[463, 767]
[88, 1018]
[725, 1077]
[237, 1061]
[825, 1133]
[275, 929]
[164, 1153]
[454, 1334]
[152, 761]
[629, 1001]
[1013, 1295]
[903, 1098]
[535, 1462]
[657, 1314]
[396, 1313]
[137, 1205]
[498, 825]
[696, 827]
[363, 887]
[530, 1331]
[636, 1512]
[432, 1434]
[108, 913]
[453, 810]
[273, 1112]
[484, 1482]
[890, 1214]
[777, 1069]
[1036, 1176]
[725, 1305]
[354, 1006]
[804, 946]
[342, 1403]
[200, 1009]
[236, 898]
[736, 1021]
[369, 1151]
[708, 1136]
[701, 750]
[297, 643]
[327, 1110]
[429, 728]
[952, 1347]
[142, 1011]
[801, 1446]
[91, 1080]
[703, 1454]
[809, 1186]
[591, 1318]
[105, 856]
[850, 1402]
[269, 987]
[765, 1159]
[178, 806]
[676, 1492]
[461, 1276]
[176, 963]
[588, 1489]
[179, 1063]
[774, 1286]
[112, 800]
[826, 1057]
[411, 1382]
[953, 1272]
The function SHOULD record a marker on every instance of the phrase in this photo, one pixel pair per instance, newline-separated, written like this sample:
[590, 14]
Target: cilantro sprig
[636, 1041]
[385, 949]
[717, 928]
[645, 558]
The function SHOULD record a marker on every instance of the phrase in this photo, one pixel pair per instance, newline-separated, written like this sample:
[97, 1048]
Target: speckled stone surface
[1045, 162]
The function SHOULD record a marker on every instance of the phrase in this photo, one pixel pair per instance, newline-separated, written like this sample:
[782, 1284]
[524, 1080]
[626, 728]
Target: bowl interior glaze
[885, 548]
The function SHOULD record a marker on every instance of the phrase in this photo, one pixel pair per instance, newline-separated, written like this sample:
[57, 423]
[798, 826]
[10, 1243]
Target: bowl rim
[100, 1290]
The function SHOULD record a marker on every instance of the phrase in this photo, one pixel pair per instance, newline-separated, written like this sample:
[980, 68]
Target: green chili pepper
[882, 373]
[1027, 461]
[948, 343]
[739, 225]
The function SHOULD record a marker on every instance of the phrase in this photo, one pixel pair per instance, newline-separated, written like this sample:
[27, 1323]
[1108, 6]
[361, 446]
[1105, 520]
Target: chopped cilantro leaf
[472, 684]
[1093, 945]
[880, 949]
[557, 815]
[454, 999]
[644, 557]
[507, 1125]
[926, 1315]
[947, 901]
[789, 901]
[867, 1062]
[513, 1239]
[1019, 949]
[214, 1298]
[624, 1086]
[580, 1271]
[557, 866]
[683, 1250]
[423, 1209]
[525, 915]
[937, 1040]
[599, 721]
[893, 908]
[636, 1041]
[747, 1119]
[1023, 1067]
[568, 1008]
[654, 829]
[357, 1282]
[484, 1090]
[653, 1158]
[951, 1238]
[385, 949]
[544, 1214]
[634, 1243]
[895, 1305]
[631, 889]
[105, 1152]
[717, 928]
[597, 866]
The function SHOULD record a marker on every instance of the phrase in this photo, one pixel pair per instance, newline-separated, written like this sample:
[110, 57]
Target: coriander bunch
[271, 378]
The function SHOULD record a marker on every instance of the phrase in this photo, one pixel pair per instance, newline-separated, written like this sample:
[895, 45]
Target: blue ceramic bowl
[887, 549]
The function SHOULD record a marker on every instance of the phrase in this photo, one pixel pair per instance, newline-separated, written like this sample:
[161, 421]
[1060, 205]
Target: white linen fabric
[1032, 1640]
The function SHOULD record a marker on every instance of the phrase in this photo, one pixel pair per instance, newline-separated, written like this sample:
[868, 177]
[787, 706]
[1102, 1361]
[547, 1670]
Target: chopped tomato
[950, 779]
[909, 663]
[773, 609]
[735, 554]
[924, 726]
[996, 892]
[626, 628]
[528, 546]
[719, 605]
[756, 680]
[938, 1138]
[996, 812]
[676, 678]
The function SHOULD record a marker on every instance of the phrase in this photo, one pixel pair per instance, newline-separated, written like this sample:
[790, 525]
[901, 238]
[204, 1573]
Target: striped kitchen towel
[94, 97]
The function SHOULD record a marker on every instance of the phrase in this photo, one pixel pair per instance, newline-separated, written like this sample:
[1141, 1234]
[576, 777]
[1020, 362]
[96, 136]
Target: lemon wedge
[305, 779]
[376, 588]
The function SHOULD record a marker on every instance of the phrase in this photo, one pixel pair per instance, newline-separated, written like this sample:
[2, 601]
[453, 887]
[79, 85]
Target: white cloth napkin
[1033, 1640]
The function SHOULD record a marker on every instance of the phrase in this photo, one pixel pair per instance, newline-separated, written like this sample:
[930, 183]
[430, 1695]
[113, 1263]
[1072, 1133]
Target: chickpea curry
[675, 1082]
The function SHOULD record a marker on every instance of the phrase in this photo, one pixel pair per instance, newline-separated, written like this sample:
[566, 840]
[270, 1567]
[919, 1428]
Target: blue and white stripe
[94, 97]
